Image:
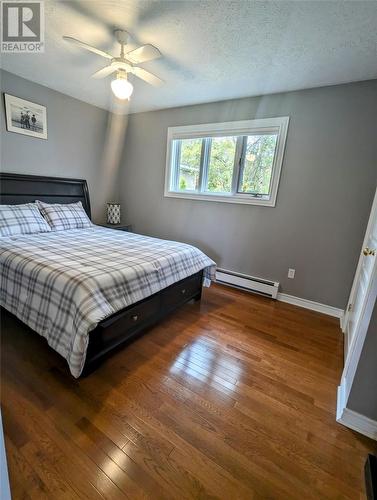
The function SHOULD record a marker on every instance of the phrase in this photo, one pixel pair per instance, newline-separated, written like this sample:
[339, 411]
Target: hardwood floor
[231, 398]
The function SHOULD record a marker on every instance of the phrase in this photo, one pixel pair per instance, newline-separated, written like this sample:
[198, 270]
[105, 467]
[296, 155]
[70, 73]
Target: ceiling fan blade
[147, 76]
[142, 54]
[104, 72]
[87, 47]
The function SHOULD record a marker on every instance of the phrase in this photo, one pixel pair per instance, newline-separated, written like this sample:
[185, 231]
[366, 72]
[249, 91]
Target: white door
[366, 269]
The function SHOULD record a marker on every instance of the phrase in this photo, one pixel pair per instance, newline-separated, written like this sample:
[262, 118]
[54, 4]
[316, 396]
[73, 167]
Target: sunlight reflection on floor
[207, 365]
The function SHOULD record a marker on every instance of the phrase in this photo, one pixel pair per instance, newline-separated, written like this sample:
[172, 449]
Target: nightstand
[120, 227]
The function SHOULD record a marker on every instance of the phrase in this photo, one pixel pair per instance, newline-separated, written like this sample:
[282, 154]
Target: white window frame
[277, 126]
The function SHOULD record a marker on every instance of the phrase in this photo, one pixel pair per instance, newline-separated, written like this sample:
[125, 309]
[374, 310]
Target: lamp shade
[113, 213]
[121, 87]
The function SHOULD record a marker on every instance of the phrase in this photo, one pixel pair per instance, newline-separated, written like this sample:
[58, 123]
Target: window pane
[189, 164]
[221, 164]
[256, 170]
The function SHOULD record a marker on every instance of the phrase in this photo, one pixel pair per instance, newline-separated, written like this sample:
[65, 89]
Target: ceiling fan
[127, 62]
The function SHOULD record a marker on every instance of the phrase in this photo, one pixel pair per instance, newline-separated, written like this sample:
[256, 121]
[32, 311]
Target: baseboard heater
[249, 283]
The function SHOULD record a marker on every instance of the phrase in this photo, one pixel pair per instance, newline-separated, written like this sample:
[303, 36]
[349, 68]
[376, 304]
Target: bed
[87, 291]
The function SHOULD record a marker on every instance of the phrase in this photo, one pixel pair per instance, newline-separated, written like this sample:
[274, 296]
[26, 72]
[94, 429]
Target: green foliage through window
[257, 166]
[221, 164]
[189, 165]
[217, 157]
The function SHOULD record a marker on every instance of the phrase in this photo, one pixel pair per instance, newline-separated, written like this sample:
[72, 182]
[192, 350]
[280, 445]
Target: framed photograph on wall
[25, 117]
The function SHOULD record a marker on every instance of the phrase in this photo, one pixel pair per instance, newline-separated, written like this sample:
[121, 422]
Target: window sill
[242, 200]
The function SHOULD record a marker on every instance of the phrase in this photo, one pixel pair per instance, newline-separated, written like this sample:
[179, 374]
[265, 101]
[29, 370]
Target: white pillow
[21, 219]
[63, 216]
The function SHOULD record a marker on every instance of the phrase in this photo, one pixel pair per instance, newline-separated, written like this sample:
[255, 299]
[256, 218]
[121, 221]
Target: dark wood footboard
[130, 322]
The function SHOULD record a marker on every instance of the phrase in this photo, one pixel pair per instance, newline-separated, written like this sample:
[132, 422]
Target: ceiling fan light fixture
[126, 62]
[121, 87]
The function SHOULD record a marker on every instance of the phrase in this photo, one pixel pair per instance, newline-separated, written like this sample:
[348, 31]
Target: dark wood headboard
[18, 188]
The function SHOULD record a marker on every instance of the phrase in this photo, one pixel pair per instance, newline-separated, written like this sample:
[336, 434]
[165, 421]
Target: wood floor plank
[97, 446]
[25, 481]
[233, 397]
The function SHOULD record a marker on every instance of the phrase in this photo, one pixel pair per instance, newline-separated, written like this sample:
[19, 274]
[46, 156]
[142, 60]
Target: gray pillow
[21, 219]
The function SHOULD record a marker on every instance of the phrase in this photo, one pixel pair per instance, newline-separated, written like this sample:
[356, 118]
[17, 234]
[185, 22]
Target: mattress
[63, 283]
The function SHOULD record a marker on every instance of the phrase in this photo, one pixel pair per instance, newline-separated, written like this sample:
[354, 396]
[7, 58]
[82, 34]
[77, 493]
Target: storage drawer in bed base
[130, 322]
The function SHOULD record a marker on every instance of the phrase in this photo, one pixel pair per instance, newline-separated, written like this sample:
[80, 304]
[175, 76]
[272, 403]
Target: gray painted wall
[4, 482]
[363, 395]
[75, 147]
[328, 179]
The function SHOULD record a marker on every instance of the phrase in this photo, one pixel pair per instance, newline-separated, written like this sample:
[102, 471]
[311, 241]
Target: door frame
[372, 217]
[344, 415]
[354, 351]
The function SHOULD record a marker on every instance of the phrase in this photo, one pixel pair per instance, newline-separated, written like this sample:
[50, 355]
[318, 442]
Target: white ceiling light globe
[122, 88]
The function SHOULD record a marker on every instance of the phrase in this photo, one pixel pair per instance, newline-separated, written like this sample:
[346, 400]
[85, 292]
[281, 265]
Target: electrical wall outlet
[291, 273]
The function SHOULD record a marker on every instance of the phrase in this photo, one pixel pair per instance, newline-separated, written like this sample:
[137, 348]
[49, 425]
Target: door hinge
[349, 307]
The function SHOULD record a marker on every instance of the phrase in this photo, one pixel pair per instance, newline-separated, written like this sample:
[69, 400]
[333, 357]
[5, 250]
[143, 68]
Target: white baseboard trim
[359, 423]
[352, 419]
[340, 401]
[341, 321]
[310, 304]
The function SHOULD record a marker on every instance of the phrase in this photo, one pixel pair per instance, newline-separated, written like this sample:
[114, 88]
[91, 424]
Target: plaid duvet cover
[62, 284]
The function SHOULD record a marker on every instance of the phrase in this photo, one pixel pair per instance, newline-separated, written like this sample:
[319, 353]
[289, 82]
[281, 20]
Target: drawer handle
[135, 317]
[183, 291]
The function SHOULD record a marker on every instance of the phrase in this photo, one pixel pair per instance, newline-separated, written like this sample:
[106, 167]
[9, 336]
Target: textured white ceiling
[212, 50]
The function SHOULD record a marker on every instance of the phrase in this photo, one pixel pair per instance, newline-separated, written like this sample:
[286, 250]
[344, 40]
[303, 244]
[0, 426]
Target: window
[237, 162]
